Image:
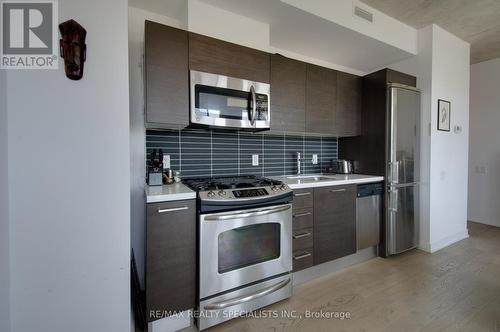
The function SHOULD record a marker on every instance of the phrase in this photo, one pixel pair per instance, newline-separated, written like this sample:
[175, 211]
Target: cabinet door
[288, 94]
[170, 257]
[321, 90]
[349, 97]
[166, 76]
[220, 57]
[334, 222]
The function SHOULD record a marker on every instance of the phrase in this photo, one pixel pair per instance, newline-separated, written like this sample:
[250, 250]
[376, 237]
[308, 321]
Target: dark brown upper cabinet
[321, 95]
[288, 94]
[170, 257]
[334, 222]
[401, 78]
[349, 100]
[215, 56]
[166, 76]
[372, 151]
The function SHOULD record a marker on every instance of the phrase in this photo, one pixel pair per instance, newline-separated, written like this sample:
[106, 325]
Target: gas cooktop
[229, 182]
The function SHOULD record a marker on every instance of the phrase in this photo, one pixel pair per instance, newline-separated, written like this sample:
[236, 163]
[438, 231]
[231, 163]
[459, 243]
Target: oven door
[241, 247]
[222, 101]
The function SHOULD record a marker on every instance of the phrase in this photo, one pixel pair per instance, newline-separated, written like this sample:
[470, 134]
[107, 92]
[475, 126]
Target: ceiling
[475, 21]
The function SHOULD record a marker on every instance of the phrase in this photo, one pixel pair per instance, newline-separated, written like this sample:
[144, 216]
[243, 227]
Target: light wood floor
[455, 289]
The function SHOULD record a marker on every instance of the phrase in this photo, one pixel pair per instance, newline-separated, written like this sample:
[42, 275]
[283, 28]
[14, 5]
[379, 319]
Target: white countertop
[328, 180]
[178, 191]
[171, 192]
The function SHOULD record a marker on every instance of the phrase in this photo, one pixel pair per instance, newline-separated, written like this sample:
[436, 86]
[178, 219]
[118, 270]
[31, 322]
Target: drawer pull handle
[299, 236]
[337, 190]
[302, 194]
[298, 215]
[249, 297]
[173, 209]
[304, 255]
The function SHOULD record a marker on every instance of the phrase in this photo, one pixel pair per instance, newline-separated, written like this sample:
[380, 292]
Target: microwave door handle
[253, 109]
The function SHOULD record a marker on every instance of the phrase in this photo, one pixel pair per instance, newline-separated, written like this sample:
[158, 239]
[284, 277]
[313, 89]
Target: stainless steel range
[245, 245]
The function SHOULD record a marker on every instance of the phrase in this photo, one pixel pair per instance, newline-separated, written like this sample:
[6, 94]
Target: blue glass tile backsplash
[212, 153]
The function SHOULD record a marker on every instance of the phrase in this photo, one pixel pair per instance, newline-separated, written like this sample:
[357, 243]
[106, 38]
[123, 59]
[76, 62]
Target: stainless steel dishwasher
[368, 214]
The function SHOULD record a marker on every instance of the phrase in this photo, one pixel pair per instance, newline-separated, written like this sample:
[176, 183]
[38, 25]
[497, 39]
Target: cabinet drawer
[302, 218]
[303, 198]
[169, 208]
[302, 259]
[302, 239]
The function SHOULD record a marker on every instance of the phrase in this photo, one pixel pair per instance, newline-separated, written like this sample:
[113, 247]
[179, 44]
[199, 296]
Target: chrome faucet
[298, 163]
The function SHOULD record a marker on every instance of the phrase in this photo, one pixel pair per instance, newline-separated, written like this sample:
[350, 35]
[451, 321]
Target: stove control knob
[222, 193]
[210, 194]
[274, 188]
[284, 187]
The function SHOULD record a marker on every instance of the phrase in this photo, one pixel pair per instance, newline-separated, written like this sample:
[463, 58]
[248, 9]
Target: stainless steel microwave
[228, 102]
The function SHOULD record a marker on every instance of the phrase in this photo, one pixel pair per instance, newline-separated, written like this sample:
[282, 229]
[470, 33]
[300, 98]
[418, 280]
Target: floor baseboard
[448, 240]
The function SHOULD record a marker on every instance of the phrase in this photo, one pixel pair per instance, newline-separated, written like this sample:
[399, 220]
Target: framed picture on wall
[444, 115]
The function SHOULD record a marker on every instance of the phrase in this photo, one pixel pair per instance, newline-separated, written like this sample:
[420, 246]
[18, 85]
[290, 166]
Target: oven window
[221, 103]
[248, 245]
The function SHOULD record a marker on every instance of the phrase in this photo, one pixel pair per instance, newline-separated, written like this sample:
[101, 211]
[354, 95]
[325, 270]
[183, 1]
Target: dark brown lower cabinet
[170, 257]
[334, 222]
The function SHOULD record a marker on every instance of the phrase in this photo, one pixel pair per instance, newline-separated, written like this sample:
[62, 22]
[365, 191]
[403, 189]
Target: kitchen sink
[311, 178]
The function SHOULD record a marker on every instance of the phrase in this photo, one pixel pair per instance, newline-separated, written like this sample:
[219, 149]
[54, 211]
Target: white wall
[484, 140]
[442, 70]
[222, 24]
[4, 212]
[69, 200]
[449, 151]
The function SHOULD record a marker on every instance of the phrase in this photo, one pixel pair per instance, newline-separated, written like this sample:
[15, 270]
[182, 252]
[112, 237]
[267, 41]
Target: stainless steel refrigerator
[402, 168]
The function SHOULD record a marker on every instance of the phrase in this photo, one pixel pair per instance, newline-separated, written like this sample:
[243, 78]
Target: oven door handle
[247, 298]
[249, 214]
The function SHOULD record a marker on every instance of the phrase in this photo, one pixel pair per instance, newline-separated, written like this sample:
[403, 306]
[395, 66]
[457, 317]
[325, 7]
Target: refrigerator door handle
[393, 200]
[403, 185]
[394, 172]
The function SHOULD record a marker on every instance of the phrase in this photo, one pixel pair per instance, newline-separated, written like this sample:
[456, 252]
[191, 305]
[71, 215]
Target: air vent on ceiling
[364, 14]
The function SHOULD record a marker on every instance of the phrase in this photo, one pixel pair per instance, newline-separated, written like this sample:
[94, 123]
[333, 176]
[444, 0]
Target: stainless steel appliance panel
[231, 305]
[242, 96]
[368, 216]
[240, 247]
[403, 135]
[403, 225]
[402, 168]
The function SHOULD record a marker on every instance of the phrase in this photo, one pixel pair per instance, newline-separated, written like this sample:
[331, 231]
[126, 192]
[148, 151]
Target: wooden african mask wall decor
[73, 48]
